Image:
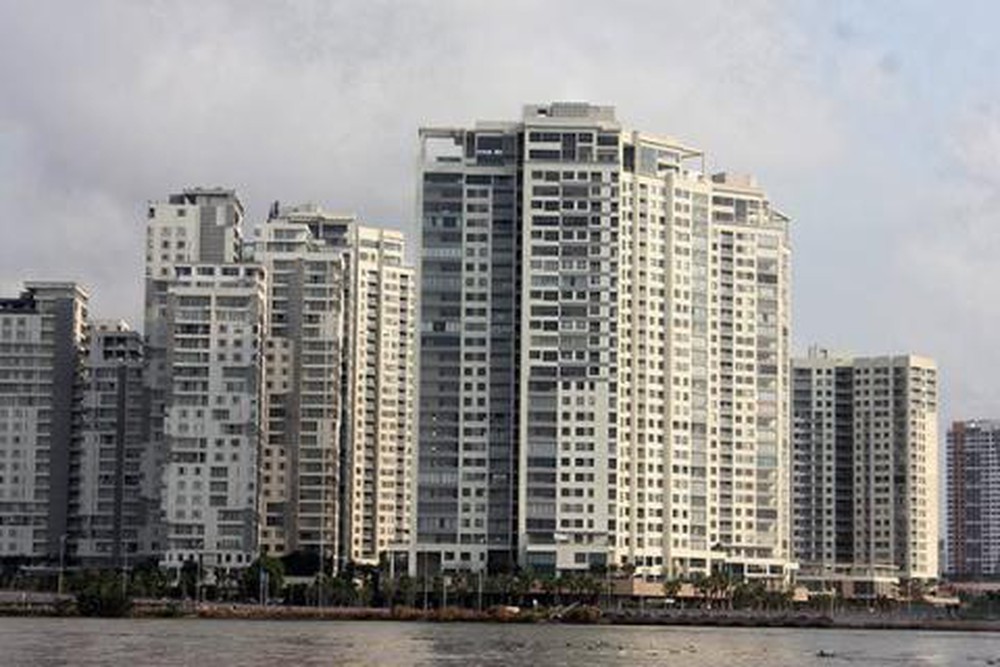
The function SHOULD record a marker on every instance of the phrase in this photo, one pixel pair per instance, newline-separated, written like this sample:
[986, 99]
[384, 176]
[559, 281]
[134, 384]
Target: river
[44, 642]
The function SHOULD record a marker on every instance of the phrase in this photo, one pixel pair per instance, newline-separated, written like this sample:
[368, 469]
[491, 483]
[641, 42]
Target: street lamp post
[124, 572]
[425, 582]
[62, 561]
[479, 592]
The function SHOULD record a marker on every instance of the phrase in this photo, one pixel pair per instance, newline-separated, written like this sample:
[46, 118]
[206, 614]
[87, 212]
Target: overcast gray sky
[876, 126]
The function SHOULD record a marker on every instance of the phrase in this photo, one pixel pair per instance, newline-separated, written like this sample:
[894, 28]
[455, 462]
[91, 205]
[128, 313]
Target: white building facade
[192, 226]
[303, 403]
[216, 323]
[604, 353]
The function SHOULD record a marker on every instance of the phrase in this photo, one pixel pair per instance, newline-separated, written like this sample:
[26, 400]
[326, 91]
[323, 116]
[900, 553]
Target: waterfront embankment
[51, 604]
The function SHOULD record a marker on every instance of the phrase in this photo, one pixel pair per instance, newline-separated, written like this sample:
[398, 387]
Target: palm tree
[590, 587]
[699, 582]
[505, 585]
[582, 587]
[460, 588]
[550, 587]
[719, 584]
[523, 583]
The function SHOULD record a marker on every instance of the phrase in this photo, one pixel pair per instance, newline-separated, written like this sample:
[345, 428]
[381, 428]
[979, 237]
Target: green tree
[719, 586]
[699, 582]
[503, 586]
[187, 581]
[523, 583]
[250, 582]
[550, 587]
[101, 594]
[149, 581]
[406, 591]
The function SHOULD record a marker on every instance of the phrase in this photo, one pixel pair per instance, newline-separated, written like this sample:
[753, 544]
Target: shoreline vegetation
[276, 590]
[65, 606]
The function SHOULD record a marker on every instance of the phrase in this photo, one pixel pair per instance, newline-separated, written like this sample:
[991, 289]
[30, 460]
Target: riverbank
[591, 615]
[51, 605]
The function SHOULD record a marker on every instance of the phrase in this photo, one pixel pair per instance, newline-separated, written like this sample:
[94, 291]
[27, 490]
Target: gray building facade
[42, 348]
[113, 479]
[973, 499]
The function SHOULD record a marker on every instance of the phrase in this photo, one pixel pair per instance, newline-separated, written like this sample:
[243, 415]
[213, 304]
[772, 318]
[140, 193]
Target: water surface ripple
[45, 642]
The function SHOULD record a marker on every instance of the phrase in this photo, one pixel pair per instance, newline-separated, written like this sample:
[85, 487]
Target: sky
[874, 125]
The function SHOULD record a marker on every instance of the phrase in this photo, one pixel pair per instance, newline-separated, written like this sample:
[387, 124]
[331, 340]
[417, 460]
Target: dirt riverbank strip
[40, 605]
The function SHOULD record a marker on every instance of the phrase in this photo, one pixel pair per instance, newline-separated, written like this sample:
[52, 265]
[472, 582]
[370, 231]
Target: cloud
[950, 262]
[109, 104]
[114, 103]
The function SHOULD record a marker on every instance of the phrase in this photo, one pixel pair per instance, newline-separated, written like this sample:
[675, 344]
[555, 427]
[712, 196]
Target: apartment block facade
[113, 485]
[216, 323]
[380, 397]
[42, 347]
[865, 471]
[343, 318]
[196, 225]
[973, 499]
[604, 353]
[302, 251]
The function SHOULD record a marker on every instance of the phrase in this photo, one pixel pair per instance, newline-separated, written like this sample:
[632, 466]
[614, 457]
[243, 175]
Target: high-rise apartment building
[195, 226]
[604, 353]
[42, 347]
[380, 394]
[302, 251]
[215, 325]
[865, 470]
[973, 496]
[341, 350]
[113, 483]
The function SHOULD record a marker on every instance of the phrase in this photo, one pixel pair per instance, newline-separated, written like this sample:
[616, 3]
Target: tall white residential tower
[604, 353]
[216, 321]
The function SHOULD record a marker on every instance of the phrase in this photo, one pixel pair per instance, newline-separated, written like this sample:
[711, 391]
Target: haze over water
[44, 642]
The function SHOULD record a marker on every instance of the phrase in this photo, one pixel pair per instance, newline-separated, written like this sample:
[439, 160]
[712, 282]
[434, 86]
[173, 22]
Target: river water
[43, 642]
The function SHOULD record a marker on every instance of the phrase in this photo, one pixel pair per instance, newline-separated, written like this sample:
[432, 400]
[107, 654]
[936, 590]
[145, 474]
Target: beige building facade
[340, 383]
[865, 473]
